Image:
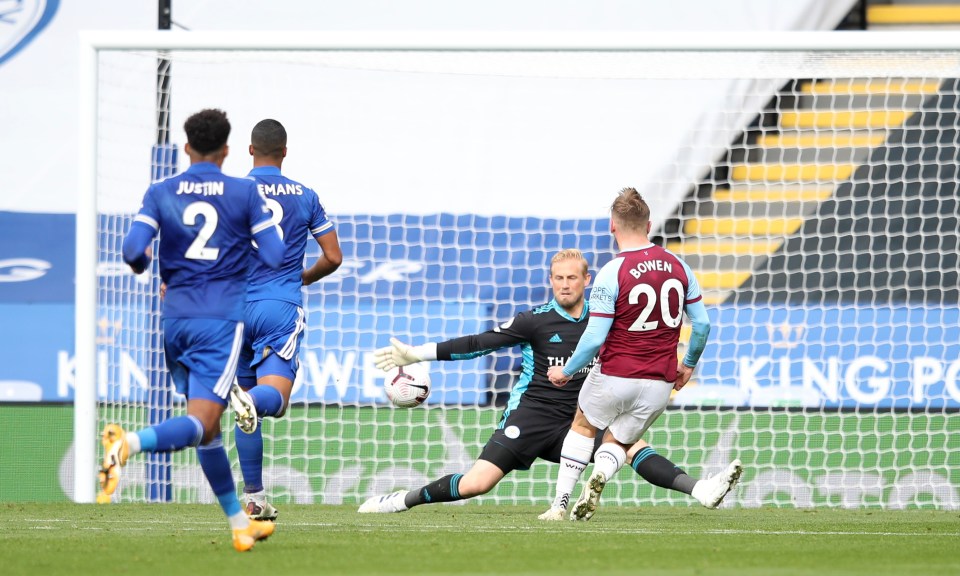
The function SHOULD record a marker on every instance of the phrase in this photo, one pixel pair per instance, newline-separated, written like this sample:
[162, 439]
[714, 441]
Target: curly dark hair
[207, 130]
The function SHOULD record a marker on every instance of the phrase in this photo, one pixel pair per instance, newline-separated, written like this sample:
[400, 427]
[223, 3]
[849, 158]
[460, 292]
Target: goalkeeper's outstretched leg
[481, 478]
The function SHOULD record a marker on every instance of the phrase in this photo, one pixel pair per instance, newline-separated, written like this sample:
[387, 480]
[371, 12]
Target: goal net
[812, 188]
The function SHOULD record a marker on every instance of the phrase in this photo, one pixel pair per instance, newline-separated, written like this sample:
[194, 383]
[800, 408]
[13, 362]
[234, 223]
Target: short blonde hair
[569, 254]
[630, 210]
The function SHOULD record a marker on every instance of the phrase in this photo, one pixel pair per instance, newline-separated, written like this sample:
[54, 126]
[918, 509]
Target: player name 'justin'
[642, 267]
[280, 189]
[201, 188]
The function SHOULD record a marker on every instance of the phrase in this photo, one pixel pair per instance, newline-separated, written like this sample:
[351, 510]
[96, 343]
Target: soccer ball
[407, 386]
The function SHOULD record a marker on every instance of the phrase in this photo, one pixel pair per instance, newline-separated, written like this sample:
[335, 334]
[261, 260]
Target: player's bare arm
[329, 260]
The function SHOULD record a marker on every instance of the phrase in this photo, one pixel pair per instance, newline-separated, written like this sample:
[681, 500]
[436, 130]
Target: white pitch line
[197, 525]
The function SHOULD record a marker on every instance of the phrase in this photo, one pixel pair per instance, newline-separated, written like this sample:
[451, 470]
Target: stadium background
[37, 227]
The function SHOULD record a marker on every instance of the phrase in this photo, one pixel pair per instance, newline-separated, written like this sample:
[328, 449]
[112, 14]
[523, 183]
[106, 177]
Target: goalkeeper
[538, 414]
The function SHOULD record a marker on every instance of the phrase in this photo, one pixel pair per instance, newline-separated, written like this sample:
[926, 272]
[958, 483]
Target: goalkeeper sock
[661, 472]
[267, 399]
[574, 456]
[250, 455]
[446, 489]
[216, 467]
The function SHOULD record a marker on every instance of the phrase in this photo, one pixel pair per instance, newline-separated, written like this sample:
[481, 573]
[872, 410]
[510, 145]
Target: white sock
[133, 443]
[259, 497]
[574, 457]
[239, 520]
[609, 459]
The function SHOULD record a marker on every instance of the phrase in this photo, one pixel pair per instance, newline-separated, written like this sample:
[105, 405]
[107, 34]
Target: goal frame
[92, 42]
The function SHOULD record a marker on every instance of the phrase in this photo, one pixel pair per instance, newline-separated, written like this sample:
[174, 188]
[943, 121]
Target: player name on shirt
[280, 189]
[201, 188]
[648, 265]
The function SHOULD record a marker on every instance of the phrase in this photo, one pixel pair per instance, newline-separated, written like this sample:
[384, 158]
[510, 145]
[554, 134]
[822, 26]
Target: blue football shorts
[271, 340]
[202, 355]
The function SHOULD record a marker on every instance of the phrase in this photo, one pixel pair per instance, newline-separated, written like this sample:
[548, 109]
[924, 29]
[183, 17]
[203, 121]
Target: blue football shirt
[206, 222]
[298, 212]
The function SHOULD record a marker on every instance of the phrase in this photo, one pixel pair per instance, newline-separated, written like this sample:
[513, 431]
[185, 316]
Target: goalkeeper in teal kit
[206, 221]
[538, 414]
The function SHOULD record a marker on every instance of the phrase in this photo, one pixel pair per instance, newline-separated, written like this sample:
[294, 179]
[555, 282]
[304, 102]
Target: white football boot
[259, 508]
[589, 499]
[711, 491]
[385, 504]
[244, 409]
[553, 514]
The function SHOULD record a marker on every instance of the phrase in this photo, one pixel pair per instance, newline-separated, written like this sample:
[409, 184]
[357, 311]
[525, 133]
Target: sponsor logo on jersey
[600, 294]
[556, 338]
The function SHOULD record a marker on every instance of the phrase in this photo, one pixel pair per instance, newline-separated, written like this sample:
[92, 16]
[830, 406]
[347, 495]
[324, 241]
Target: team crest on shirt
[21, 21]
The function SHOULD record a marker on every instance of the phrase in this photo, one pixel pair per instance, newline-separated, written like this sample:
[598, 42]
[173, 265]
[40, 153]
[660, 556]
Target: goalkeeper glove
[400, 354]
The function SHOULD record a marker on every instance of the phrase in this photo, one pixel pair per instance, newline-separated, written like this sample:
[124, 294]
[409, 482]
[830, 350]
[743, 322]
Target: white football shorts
[625, 406]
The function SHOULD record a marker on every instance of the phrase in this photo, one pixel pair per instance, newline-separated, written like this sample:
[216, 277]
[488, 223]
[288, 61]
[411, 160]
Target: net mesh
[813, 193]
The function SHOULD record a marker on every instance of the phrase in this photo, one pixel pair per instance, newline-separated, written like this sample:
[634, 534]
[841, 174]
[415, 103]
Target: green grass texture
[194, 540]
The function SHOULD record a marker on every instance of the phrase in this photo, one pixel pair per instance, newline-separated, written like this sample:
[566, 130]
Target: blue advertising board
[830, 356]
[429, 278]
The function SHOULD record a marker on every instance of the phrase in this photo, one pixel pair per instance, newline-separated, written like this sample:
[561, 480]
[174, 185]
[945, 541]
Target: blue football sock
[216, 467]
[250, 454]
[171, 435]
[267, 399]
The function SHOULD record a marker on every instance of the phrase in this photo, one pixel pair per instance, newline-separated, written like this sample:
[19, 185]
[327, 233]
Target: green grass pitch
[162, 539]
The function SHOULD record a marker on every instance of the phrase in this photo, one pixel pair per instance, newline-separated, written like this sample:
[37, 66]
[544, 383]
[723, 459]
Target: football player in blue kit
[274, 319]
[206, 221]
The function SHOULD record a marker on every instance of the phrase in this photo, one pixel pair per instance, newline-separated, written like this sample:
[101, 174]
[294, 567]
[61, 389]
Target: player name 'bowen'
[201, 188]
[642, 267]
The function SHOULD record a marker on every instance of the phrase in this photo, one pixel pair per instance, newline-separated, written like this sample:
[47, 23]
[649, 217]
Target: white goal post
[809, 178]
